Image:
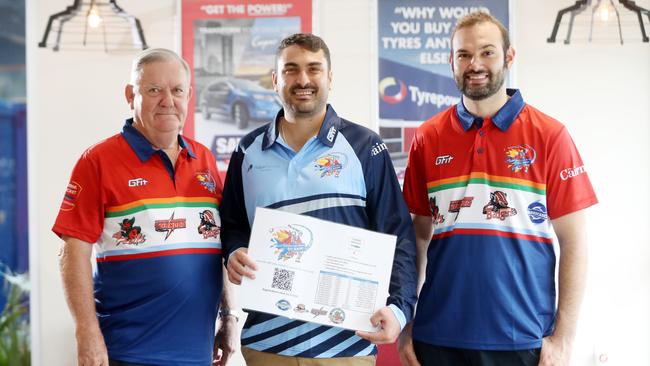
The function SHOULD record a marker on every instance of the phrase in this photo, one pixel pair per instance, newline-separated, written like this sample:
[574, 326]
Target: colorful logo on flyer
[435, 211]
[317, 312]
[168, 226]
[537, 212]
[498, 208]
[208, 226]
[391, 90]
[456, 205]
[337, 315]
[206, 180]
[300, 308]
[330, 165]
[72, 191]
[291, 241]
[520, 157]
[129, 234]
[283, 305]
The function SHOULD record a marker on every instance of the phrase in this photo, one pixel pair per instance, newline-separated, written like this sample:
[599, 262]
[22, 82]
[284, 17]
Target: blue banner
[414, 76]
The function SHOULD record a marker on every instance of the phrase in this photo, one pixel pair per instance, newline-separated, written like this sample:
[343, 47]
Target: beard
[305, 108]
[495, 82]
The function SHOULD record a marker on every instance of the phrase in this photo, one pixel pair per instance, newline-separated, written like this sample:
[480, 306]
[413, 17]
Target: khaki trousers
[257, 358]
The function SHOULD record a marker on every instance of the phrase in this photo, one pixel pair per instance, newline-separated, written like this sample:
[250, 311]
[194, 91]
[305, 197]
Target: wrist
[225, 313]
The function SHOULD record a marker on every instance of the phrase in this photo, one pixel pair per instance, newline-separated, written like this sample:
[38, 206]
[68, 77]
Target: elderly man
[146, 200]
[488, 182]
[360, 189]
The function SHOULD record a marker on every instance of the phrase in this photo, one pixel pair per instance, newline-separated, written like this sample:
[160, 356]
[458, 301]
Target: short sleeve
[415, 186]
[82, 210]
[568, 187]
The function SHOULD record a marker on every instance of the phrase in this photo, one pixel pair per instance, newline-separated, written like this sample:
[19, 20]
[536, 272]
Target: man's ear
[451, 60]
[274, 80]
[510, 56]
[329, 79]
[129, 94]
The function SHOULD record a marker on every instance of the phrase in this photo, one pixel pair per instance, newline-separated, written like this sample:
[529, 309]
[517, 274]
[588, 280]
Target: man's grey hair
[151, 55]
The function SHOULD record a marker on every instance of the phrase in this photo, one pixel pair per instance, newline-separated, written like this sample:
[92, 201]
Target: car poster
[414, 76]
[230, 46]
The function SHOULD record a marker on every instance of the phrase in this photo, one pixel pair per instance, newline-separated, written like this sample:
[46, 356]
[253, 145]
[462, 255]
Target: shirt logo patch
[72, 192]
[444, 159]
[455, 206]
[129, 234]
[569, 173]
[537, 212]
[498, 208]
[331, 133]
[291, 241]
[377, 148]
[168, 226]
[330, 165]
[520, 157]
[206, 180]
[435, 211]
[138, 182]
[208, 226]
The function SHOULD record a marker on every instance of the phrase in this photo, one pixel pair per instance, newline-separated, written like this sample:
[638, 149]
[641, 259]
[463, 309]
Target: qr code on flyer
[283, 279]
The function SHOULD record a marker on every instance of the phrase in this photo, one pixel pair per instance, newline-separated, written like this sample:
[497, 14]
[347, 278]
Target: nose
[167, 99]
[303, 79]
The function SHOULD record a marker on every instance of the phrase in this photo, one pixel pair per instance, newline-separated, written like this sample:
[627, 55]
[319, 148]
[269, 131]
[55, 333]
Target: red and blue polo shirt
[491, 187]
[156, 232]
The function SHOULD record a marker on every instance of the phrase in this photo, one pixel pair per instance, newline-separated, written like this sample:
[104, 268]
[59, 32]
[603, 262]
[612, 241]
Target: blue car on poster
[238, 100]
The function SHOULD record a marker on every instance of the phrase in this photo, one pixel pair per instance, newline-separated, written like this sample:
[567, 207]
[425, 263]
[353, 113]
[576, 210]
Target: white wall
[600, 92]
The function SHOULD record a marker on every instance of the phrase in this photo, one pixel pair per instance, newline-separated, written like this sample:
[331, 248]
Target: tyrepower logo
[572, 172]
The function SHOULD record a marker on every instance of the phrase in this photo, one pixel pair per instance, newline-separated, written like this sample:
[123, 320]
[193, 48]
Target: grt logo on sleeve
[572, 172]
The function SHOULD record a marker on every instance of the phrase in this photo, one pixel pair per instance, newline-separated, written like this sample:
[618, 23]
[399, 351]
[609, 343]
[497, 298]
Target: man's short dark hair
[479, 17]
[306, 41]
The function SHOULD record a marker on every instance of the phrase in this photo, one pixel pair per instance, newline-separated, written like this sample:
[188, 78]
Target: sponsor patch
[337, 315]
[168, 226]
[208, 226]
[377, 148]
[291, 241]
[137, 182]
[456, 205]
[537, 212]
[520, 157]
[444, 159]
[72, 192]
[129, 233]
[569, 173]
[438, 218]
[498, 208]
[330, 165]
[206, 180]
[331, 133]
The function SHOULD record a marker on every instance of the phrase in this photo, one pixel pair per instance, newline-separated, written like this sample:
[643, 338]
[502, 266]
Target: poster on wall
[414, 76]
[230, 46]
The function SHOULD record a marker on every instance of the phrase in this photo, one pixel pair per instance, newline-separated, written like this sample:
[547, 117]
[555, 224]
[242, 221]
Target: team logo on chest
[129, 234]
[168, 226]
[435, 211]
[520, 157]
[498, 208]
[291, 241]
[456, 205]
[330, 165]
[208, 226]
[206, 180]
